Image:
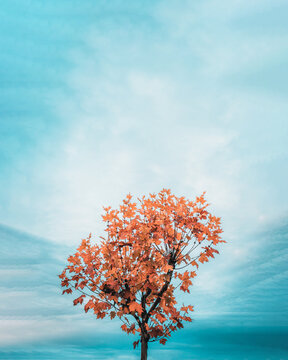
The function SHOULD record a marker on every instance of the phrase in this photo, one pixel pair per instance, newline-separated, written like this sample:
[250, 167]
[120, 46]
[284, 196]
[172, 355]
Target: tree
[150, 249]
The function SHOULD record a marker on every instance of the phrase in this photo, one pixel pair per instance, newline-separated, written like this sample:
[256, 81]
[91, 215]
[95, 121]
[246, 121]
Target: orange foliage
[134, 271]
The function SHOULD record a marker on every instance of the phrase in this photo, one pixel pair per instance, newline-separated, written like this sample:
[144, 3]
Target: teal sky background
[102, 98]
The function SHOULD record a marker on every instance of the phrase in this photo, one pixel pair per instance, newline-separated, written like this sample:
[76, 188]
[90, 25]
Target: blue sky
[102, 98]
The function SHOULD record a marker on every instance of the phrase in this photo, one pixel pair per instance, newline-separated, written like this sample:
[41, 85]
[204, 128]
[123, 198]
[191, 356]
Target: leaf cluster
[133, 272]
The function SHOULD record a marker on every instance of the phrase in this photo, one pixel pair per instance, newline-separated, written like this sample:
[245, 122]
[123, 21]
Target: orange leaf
[134, 306]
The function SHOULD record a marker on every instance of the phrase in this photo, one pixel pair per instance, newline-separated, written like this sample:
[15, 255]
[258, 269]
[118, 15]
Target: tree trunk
[144, 348]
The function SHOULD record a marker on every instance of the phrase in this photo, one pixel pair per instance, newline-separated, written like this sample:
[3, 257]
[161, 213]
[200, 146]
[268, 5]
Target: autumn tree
[151, 248]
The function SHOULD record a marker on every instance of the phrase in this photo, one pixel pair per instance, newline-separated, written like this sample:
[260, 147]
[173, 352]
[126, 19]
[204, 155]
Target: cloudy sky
[101, 98]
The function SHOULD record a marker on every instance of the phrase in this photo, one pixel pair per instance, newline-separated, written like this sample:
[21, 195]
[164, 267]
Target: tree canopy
[151, 248]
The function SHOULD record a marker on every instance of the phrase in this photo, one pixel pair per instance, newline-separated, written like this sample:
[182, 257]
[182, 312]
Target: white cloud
[134, 129]
[35, 329]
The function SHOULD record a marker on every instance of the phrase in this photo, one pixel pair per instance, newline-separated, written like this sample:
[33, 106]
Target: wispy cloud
[160, 104]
